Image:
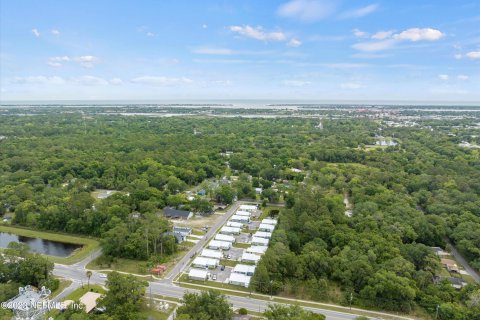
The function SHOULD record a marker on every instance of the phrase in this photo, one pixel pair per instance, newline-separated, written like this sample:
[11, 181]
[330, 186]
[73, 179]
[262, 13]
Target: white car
[214, 276]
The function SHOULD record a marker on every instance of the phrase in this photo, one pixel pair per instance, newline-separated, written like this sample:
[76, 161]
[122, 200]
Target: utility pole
[436, 312]
[350, 300]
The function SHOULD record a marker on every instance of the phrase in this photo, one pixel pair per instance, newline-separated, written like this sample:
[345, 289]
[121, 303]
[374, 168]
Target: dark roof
[174, 213]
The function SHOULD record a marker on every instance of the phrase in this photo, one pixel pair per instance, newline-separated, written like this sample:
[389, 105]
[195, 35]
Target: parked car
[222, 267]
[214, 276]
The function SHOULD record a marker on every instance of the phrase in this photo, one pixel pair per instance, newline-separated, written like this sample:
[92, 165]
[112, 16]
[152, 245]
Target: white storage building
[257, 249]
[260, 241]
[239, 280]
[208, 253]
[266, 227]
[243, 213]
[261, 234]
[230, 230]
[219, 245]
[248, 207]
[202, 262]
[234, 224]
[269, 221]
[244, 269]
[242, 219]
[250, 257]
[198, 274]
[224, 237]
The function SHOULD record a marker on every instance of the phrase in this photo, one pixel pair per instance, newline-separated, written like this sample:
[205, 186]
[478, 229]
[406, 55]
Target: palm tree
[89, 275]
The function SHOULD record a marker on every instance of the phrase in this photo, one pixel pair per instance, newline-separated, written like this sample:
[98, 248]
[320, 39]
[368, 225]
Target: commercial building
[198, 274]
[207, 263]
[245, 269]
[239, 280]
[224, 237]
[219, 245]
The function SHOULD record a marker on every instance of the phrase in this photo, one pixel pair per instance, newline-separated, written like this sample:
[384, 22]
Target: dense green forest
[405, 198]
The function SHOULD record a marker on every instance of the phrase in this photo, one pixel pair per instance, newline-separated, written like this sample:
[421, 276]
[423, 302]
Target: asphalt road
[464, 263]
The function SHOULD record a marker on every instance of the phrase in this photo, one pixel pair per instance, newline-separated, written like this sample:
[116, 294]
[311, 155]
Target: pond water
[48, 247]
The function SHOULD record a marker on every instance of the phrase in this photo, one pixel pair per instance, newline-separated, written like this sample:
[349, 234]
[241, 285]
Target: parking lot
[222, 276]
[235, 253]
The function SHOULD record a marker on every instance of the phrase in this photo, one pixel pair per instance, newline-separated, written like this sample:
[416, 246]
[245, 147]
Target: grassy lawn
[88, 244]
[121, 264]
[198, 232]
[138, 266]
[63, 284]
[241, 245]
[150, 313]
[185, 281]
[77, 294]
[228, 263]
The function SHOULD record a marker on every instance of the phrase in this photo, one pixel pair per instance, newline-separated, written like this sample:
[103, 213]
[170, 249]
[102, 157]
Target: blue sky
[298, 49]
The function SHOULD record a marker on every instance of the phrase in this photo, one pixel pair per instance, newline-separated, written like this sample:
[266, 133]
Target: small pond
[42, 246]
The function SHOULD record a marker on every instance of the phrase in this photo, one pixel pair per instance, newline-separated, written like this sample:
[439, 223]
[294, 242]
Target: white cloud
[224, 83]
[90, 81]
[473, 54]
[116, 81]
[443, 77]
[458, 56]
[360, 12]
[359, 33]
[57, 61]
[417, 34]
[296, 83]
[381, 35]
[55, 32]
[258, 33]
[213, 51]
[35, 32]
[387, 39]
[161, 81]
[204, 26]
[86, 61]
[351, 85]
[374, 45]
[150, 34]
[462, 77]
[39, 80]
[294, 43]
[307, 10]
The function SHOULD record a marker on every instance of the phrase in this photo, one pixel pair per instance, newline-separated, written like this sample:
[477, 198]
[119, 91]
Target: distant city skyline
[297, 50]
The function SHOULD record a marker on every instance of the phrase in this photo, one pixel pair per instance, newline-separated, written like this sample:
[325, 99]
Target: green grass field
[88, 244]
[63, 284]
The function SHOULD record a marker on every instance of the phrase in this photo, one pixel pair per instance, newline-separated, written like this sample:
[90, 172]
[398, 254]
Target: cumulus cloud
[359, 33]
[35, 32]
[387, 39]
[360, 12]
[381, 35]
[296, 83]
[161, 81]
[213, 51]
[473, 54]
[86, 61]
[55, 32]
[258, 33]
[294, 43]
[417, 34]
[443, 77]
[307, 10]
